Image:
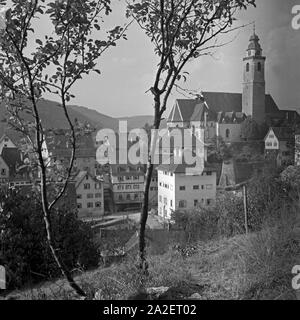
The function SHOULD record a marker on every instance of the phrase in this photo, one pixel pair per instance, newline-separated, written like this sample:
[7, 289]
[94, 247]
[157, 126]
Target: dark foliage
[24, 249]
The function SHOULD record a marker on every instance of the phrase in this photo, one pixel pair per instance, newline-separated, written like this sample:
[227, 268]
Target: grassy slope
[257, 266]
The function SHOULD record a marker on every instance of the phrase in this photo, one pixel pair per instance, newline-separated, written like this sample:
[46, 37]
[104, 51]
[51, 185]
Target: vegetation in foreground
[206, 252]
[257, 266]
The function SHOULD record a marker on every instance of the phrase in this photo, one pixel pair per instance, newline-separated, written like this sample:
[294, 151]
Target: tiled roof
[81, 175]
[59, 144]
[217, 102]
[118, 170]
[234, 172]
[181, 168]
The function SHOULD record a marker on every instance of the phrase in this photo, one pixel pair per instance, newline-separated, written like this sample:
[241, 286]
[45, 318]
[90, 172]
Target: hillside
[252, 267]
[52, 117]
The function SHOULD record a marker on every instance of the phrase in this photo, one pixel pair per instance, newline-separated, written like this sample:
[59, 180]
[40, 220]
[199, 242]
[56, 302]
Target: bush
[200, 224]
[24, 250]
[267, 258]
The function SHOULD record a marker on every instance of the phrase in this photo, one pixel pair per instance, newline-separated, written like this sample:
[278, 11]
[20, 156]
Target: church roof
[217, 102]
[254, 43]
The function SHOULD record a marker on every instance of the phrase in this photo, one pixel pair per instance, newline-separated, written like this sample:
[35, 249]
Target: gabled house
[280, 143]
[6, 142]
[90, 195]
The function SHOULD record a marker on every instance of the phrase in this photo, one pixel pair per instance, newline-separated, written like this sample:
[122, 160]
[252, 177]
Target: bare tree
[181, 31]
[33, 65]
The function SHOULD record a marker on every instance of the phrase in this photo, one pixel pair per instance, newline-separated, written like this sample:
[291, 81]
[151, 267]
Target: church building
[221, 114]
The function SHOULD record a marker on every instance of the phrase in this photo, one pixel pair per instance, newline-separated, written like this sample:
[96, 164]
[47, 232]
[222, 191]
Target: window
[128, 187]
[227, 133]
[196, 187]
[275, 144]
[269, 144]
[136, 196]
[195, 203]
[202, 187]
[259, 66]
[160, 198]
[98, 204]
[79, 206]
[87, 186]
[97, 186]
[79, 196]
[209, 186]
[98, 195]
[90, 196]
[171, 203]
[3, 172]
[90, 205]
[128, 197]
[120, 197]
[182, 188]
[165, 201]
[182, 204]
[208, 202]
[247, 67]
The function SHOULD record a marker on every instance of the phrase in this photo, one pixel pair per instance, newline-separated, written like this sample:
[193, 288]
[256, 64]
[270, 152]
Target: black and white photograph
[149, 150]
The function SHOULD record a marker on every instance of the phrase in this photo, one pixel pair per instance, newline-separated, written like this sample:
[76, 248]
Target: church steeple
[254, 80]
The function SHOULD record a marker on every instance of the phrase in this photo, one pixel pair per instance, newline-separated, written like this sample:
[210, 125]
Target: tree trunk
[47, 219]
[144, 217]
[144, 213]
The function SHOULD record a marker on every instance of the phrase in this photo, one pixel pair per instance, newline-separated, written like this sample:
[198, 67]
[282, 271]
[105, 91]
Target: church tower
[254, 87]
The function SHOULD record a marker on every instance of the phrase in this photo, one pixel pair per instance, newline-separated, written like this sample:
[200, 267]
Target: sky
[127, 71]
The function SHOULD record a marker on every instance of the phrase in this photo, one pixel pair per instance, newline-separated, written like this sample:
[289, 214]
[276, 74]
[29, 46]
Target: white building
[90, 195]
[180, 190]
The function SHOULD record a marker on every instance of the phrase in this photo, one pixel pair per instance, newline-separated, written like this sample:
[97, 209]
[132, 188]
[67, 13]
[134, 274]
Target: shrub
[24, 251]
